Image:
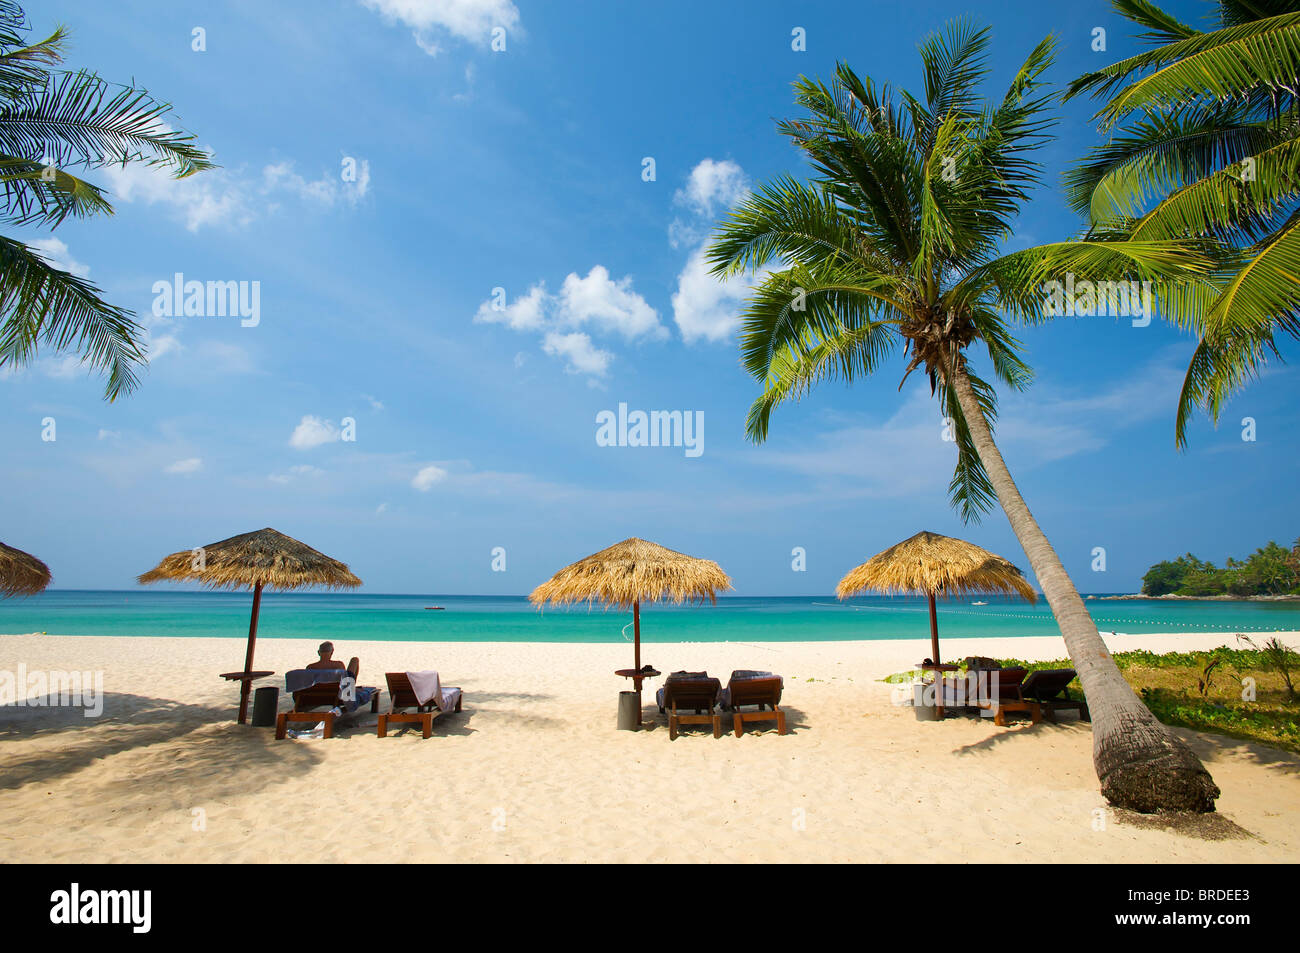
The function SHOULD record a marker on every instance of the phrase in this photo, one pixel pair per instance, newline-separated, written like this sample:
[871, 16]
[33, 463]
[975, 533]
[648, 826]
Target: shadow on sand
[1015, 730]
[217, 751]
[1210, 747]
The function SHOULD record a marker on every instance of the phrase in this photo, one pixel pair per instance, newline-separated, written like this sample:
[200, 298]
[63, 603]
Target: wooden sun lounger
[698, 695]
[318, 696]
[1050, 688]
[764, 691]
[1010, 684]
[402, 695]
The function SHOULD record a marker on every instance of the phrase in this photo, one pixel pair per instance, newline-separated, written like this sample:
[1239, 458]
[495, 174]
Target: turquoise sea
[349, 617]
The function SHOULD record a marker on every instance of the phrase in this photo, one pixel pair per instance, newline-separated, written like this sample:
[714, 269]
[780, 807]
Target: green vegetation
[1270, 571]
[1203, 145]
[54, 120]
[1209, 691]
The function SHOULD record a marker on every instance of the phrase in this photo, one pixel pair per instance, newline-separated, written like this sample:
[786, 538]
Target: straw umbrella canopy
[21, 574]
[264, 558]
[929, 563]
[630, 573]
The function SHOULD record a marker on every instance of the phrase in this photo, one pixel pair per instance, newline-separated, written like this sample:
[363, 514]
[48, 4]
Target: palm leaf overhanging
[897, 243]
[1205, 146]
[52, 120]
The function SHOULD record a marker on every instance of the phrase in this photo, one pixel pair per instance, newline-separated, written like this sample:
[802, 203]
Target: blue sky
[473, 169]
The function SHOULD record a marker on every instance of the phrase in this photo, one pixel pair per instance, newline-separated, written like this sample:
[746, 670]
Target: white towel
[427, 687]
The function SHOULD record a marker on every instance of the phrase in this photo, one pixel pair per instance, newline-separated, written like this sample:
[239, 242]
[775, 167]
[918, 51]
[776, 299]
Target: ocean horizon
[343, 617]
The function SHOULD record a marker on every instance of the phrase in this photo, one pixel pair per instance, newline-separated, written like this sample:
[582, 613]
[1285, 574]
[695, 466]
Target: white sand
[534, 770]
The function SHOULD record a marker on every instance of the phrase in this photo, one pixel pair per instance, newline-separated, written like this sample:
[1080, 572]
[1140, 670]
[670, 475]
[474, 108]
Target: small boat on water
[435, 607]
[979, 603]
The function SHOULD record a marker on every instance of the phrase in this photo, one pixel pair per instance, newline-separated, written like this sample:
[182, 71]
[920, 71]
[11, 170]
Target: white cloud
[468, 94]
[212, 197]
[704, 307]
[611, 306]
[55, 251]
[356, 189]
[312, 432]
[186, 466]
[713, 185]
[468, 20]
[577, 348]
[302, 470]
[108, 434]
[225, 358]
[426, 477]
[326, 190]
[711, 188]
[225, 197]
[527, 313]
[596, 302]
[381, 508]
[162, 345]
[62, 368]
[375, 403]
[282, 176]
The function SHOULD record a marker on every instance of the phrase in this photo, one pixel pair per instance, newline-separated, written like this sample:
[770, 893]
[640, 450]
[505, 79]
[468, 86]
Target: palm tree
[1205, 144]
[51, 120]
[896, 241]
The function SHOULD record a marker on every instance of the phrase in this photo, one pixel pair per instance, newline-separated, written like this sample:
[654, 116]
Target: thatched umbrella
[21, 574]
[251, 561]
[630, 573]
[930, 564]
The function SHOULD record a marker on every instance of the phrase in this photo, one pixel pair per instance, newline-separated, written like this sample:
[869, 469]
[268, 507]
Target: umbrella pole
[246, 683]
[636, 649]
[934, 631]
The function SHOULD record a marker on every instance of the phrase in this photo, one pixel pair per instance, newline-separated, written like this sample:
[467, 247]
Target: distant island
[1175, 597]
[1271, 573]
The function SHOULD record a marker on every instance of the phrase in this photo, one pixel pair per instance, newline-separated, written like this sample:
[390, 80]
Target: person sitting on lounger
[327, 660]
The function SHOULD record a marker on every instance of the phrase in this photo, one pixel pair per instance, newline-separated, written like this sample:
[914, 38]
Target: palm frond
[43, 304]
[1160, 153]
[34, 193]
[783, 220]
[969, 491]
[1222, 65]
[1023, 282]
[1241, 202]
[793, 371]
[79, 119]
[24, 66]
[953, 61]
[855, 141]
[1266, 291]
[1161, 27]
[1003, 349]
[798, 308]
[1220, 367]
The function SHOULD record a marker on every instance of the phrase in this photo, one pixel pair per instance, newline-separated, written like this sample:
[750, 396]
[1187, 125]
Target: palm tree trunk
[1140, 763]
